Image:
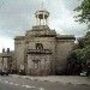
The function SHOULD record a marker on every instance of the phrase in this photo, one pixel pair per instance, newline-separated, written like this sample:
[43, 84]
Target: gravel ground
[62, 79]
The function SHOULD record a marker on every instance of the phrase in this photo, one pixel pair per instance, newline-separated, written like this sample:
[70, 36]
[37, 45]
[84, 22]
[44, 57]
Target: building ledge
[65, 37]
[38, 51]
[5, 54]
[19, 38]
[41, 27]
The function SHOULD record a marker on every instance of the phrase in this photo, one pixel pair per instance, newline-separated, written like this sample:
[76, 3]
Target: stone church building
[41, 51]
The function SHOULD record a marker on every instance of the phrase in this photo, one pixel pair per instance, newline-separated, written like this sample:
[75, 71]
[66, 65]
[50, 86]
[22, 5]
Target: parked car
[83, 73]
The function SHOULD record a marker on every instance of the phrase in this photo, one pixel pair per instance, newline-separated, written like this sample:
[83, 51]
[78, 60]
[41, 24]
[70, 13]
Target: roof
[65, 37]
[19, 38]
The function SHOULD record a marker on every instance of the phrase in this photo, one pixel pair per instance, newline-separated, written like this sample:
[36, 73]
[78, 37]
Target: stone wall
[63, 49]
[59, 46]
[6, 61]
[39, 64]
[48, 43]
[19, 53]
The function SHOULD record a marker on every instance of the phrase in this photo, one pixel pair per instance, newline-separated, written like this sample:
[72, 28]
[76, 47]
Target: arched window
[39, 46]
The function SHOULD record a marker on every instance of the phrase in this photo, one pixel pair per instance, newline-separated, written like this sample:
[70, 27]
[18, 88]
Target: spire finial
[42, 4]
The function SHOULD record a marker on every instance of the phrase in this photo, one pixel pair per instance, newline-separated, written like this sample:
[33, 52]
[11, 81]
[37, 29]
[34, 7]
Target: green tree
[84, 12]
[87, 39]
[83, 54]
[78, 59]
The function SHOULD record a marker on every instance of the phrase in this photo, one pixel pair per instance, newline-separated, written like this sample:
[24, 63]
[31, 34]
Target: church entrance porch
[38, 63]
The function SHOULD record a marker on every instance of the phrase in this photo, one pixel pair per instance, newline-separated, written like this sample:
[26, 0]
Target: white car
[83, 73]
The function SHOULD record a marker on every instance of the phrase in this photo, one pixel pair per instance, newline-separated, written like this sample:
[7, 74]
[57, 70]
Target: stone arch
[39, 46]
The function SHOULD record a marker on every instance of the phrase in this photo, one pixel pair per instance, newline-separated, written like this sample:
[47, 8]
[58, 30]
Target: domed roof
[42, 14]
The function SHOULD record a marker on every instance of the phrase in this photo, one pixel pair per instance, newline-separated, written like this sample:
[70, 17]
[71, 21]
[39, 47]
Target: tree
[84, 12]
[83, 52]
[79, 57]
[87, 39]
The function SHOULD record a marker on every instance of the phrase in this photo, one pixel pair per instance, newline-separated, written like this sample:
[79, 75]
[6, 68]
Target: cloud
[6, 43]
[63, 20]
[17, 16]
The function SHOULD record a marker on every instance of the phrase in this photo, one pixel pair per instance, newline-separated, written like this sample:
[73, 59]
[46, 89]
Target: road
[15, 83]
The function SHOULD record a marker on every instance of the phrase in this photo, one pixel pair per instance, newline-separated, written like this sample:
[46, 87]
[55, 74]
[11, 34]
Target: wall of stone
[13, 63]
[22, 45]
[39, 64]
[0, 62]
[63, 49]
[60, 49]
[6, 61]
[19, 53]
[48, 43]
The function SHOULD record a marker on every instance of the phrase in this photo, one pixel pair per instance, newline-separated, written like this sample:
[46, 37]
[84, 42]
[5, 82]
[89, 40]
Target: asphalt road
[15, 83]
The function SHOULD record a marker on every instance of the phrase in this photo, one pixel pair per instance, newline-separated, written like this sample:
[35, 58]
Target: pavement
[76, 80]
[18, 82]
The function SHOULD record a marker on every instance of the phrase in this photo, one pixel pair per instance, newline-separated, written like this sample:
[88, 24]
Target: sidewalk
[61, 79]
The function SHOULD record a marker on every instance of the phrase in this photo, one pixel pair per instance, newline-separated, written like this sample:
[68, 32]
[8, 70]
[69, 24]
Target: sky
[17, 16]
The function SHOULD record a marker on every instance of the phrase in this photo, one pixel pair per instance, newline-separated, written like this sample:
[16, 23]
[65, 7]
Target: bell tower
[42, 16]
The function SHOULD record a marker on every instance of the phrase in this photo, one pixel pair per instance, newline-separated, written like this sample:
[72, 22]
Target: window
[39, 46]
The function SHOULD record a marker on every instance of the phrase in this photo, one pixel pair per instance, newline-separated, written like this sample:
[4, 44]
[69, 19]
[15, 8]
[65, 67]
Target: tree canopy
[83, 53]
[84, 12]
[80, 57]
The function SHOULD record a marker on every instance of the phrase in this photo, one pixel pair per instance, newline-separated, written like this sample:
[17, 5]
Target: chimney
[8, 50]
[3, 50]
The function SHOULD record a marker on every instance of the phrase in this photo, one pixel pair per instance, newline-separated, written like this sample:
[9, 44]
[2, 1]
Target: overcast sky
[17, 16]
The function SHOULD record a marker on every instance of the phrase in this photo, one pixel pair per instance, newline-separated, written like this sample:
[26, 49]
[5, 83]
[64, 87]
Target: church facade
[42, 51]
